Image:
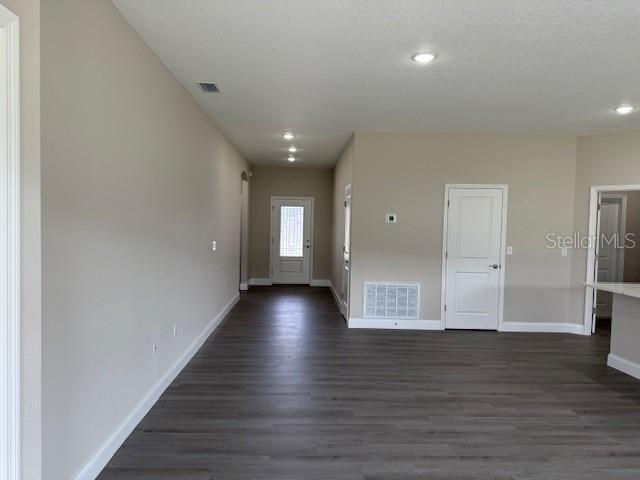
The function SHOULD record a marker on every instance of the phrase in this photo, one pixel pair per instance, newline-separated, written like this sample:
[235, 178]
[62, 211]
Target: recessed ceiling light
[288, 136]
[292, 158]
[624, 109]
[293, 149]
[423, 58]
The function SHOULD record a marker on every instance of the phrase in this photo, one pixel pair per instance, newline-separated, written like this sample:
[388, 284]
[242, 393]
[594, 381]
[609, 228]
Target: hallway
[283, 390]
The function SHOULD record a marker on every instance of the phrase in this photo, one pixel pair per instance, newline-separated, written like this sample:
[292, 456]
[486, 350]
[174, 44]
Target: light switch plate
[509, 250]
[215, 245]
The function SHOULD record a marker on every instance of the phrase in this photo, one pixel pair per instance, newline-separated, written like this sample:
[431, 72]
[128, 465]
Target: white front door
[291, 230]
[473, 257]
[609, 256]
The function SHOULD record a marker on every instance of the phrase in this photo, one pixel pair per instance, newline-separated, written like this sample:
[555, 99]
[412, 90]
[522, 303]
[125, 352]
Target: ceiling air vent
[209, 87]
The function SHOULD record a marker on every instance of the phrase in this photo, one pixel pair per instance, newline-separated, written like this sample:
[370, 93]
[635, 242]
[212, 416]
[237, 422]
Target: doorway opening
[473, 257]
[291, 247]
[614, 252]
[244, 231]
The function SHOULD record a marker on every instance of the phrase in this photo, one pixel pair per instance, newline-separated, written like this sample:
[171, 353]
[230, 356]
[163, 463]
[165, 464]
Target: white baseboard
[337, 298]
[92, 468]
[624, 365]
[533, 327]
[244, 287]
[266, 282]
[395, 324]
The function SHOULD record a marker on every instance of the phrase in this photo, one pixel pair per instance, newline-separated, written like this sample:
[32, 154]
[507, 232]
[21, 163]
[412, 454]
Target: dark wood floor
[283, 390]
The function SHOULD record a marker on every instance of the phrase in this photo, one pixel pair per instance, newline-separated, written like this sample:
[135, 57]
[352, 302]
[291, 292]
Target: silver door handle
[495, 266]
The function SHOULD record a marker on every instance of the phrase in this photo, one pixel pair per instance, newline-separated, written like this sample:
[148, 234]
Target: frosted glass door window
[291, 231]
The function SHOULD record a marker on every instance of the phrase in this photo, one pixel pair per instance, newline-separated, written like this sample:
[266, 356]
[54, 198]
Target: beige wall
[136, 182]
[29, 13]
[294, 182]
[406, 174]
[341, 178]
[612, 159]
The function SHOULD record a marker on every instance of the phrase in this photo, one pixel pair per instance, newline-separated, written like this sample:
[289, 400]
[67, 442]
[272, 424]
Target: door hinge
[593, 310]
[445, 307]
[446, 255]
[448, 203]
[345, 204]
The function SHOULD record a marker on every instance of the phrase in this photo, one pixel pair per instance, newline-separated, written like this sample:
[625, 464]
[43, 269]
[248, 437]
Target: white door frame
[10, 221]
[244, 234]
[596, 190]
[345, 307]
[272, 258]
[503, 246]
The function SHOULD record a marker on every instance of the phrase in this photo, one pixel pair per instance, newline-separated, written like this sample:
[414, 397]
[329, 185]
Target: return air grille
[392, 300]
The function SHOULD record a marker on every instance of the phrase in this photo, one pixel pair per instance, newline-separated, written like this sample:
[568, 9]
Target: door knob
[495, 266]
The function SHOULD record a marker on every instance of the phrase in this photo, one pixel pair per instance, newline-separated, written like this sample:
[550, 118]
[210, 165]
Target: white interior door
[608, 267]
[473, 258]
[291, 232]
[346, 271]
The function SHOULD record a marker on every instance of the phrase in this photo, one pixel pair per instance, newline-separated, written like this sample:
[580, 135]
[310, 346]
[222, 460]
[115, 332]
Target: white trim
[345, 303]
[244, 287]
[503, 247]
[271, 237]
[395, 324]
[591, 252]
[101, 457]
[624, 365]
[341, 305]
[260, 282]
[320, 283]
[531, 327]
[10, 231]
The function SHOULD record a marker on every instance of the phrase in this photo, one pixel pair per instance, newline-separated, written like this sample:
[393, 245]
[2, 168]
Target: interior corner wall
[136, 184]
[341, 178]
[31, 422]
[293, 182]
[406, 174]
[611, 159]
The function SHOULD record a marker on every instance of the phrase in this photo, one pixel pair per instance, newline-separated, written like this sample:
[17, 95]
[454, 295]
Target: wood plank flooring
[284, 391]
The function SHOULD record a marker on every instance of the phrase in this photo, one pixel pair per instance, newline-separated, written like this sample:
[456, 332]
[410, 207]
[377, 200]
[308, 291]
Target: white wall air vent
[392, 300]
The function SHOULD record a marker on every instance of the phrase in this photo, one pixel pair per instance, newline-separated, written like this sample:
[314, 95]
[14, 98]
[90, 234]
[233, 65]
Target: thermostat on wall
[391, 218]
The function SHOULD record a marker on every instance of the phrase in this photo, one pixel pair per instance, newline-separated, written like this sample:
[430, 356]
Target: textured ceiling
[327, 68]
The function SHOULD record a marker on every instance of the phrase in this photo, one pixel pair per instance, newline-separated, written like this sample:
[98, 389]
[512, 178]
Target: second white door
[473, 262]
[291, 231]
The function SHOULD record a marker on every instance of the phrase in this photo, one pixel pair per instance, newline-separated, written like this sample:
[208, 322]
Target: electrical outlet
[214, 246]
[155, 348]
[175, 329]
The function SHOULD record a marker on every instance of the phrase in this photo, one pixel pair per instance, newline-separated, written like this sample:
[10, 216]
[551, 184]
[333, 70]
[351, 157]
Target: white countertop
[628, 289]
